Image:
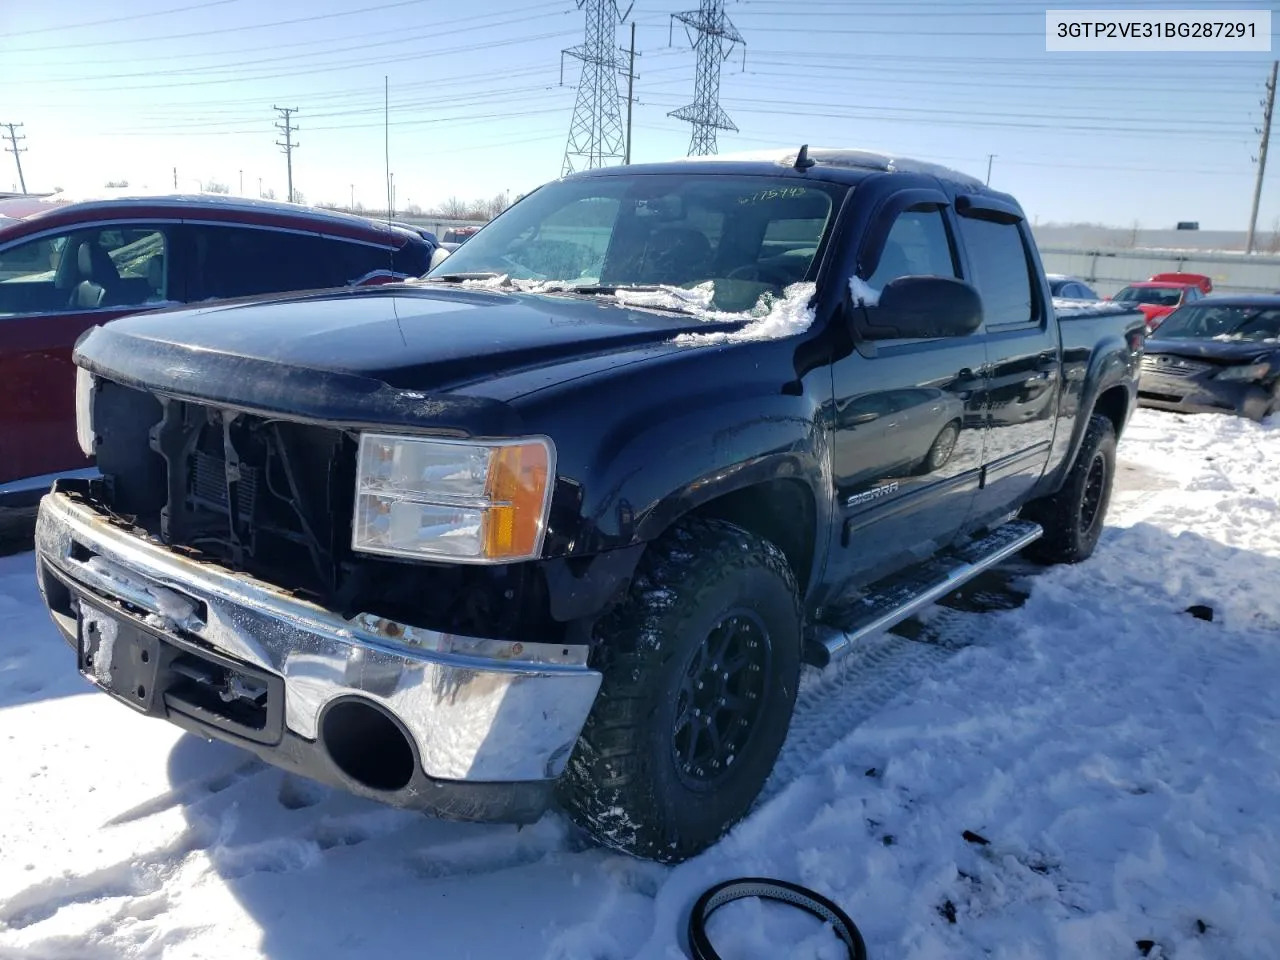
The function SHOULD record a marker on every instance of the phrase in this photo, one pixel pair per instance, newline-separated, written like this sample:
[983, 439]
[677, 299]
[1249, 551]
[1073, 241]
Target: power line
[397, 31]
[335, 66]
[1268, 104]
[1228, 127]
[505, 96]
[286, 114]
[717, 36]
[1013, 161]
[16, 150]
[948, 118]
[114, 20]
[219, 30]
[595, 131]
[239, 65]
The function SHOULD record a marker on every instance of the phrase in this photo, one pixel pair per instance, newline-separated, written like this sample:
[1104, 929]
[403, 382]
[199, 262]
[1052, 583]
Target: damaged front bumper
[1202, 394]
[489, 724]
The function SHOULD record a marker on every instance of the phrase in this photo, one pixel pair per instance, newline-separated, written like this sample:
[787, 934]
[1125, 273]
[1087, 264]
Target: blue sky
[477, 106]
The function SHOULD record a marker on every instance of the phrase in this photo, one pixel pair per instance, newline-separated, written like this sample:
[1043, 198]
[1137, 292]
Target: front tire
[1073, 517]
[701, 662]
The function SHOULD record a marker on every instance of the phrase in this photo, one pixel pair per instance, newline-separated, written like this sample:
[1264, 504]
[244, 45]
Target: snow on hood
[506, 284]
[771, 318]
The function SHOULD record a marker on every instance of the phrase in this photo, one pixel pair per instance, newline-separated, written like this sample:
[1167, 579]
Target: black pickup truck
[563, 519]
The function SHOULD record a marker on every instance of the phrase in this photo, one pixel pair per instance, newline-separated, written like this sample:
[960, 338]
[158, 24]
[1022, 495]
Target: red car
[67, 267]
[1164, 293]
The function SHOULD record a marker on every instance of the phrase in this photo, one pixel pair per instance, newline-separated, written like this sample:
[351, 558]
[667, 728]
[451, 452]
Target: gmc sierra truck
[560, 522]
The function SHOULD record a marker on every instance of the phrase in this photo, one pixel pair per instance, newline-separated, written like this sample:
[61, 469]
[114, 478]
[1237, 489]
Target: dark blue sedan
[1217, 355]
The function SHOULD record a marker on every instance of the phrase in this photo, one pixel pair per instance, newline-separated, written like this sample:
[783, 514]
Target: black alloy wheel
[721, 698]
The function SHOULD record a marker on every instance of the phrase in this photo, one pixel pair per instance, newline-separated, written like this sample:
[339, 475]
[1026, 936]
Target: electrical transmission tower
[288, 129]
[595, 134]
[16, 150]
[717, 36]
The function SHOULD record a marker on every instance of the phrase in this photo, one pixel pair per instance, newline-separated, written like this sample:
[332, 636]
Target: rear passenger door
[1023, 355]
[226, 260]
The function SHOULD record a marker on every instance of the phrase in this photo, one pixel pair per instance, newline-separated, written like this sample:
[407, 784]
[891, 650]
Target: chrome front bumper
[478, 711]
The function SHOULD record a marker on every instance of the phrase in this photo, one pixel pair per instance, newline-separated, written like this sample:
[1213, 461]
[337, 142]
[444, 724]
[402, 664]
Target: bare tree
[116, 184]
[269, 194]
[215, 186]
[453, 208]
[1273, 245]
[299, 197]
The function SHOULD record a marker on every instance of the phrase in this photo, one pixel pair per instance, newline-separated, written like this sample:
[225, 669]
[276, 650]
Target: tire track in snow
[831, 703]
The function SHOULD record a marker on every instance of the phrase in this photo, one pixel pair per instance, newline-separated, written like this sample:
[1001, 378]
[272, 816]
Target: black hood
[321, 353]
[1229, 351]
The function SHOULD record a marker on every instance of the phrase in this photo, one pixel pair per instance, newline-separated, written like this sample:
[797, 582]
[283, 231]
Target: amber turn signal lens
[517, 489]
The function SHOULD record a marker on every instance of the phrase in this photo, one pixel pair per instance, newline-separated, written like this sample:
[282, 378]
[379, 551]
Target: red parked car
[1164, 293]
[67, 267]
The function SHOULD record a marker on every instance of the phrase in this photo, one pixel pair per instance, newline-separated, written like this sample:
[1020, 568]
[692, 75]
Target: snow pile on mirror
[864, 295]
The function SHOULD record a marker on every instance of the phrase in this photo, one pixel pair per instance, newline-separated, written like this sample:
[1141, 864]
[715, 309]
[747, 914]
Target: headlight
[84, 411]
[1255, 371]
[460, 501]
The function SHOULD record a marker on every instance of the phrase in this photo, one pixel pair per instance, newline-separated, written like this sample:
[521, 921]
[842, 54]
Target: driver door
[52, 289]
[908, 432]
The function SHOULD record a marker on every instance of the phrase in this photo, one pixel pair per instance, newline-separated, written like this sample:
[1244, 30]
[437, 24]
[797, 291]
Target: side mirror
[921, 308]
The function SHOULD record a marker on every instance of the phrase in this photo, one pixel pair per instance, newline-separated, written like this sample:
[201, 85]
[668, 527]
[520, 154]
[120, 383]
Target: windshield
[1227, 323]
[744, 235]
[1157, 296]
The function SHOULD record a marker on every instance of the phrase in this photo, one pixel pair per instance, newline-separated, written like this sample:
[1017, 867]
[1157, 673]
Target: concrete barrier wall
[1109, 270]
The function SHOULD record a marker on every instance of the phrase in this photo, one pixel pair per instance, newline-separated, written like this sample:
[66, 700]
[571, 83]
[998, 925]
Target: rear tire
[701, 663]
[1073, 517]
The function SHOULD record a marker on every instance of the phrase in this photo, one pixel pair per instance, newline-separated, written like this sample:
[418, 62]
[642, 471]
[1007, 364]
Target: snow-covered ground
[1115, 761]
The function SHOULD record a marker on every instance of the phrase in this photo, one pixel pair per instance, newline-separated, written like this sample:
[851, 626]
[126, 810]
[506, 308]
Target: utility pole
[631, 79]
[16, 150]
[352, 208]
[288, 129]
[242, 183]
[259, 188]
[175, 178]
[990, 157]
[386, 137]
[1267, 105]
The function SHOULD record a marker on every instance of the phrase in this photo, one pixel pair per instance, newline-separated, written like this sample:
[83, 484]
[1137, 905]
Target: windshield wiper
[611, 290]
[460, 277]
